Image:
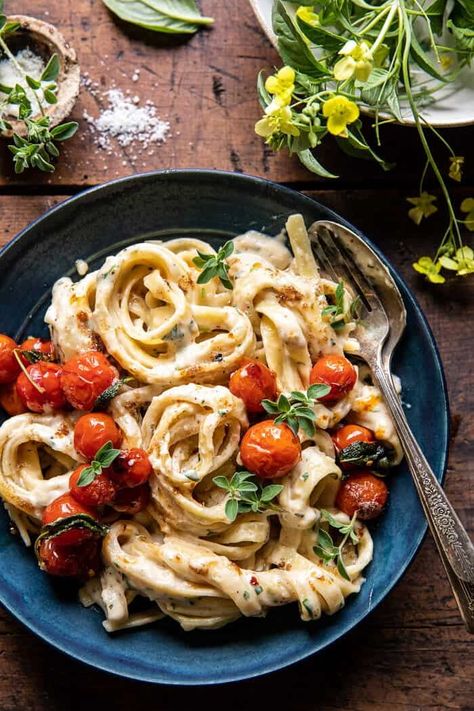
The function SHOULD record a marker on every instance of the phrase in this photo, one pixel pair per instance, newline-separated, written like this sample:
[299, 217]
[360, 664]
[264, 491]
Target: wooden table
[412, 652]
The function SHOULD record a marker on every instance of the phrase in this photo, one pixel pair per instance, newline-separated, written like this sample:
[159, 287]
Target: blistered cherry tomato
[337, 372]
[47, 395]
[349, 434]
[270, 450]
[37, 345]
[99, 492]
[92, 431]
[132, 501]
[72, 554]
[131, 468]
[363, 493]
[85, 377]
[10, 401]
[252, 383]
[9, 366]
[63, 507]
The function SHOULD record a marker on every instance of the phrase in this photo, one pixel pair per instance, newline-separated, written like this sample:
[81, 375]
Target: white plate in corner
[453, 107]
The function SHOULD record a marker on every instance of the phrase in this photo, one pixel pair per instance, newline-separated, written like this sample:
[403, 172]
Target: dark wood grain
[412, 652]
[205, 87]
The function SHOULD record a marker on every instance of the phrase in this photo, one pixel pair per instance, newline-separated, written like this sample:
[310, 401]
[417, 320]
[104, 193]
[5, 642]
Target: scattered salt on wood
[126, 121]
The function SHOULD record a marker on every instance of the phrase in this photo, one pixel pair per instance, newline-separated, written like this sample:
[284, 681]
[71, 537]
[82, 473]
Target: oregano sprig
[336, 311]
[103, 459]
[297, 409]
[37, 148]
[215, 265]
[325, 547]
[247, 494]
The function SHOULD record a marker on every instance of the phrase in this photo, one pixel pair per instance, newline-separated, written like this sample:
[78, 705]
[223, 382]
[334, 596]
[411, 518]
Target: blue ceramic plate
[213, 206]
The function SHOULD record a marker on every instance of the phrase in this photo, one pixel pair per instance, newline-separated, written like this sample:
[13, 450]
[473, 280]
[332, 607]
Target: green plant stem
[380, 15]
[385, 27]
[406, 80]
[20, 70]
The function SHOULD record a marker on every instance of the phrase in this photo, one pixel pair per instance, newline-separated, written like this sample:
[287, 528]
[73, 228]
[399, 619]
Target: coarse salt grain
[127, 122]
[33, 65]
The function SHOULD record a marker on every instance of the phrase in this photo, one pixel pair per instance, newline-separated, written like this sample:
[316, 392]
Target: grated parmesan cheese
[81, 267]
[127, 122]
[33, 65]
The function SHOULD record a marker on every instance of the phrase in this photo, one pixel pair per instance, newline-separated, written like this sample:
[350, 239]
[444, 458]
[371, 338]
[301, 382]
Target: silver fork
[344, 255]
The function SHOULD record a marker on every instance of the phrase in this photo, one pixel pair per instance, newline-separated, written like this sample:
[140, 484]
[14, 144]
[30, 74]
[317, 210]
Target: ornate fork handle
[457, 551]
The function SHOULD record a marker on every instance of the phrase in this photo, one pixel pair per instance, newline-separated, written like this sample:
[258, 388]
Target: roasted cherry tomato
[335, 371]
[85, 377]
[63, 507]
[47, 395]
[99, 492]
[132, 501]
[270, 450]
[131, 468]
[72, 554]
[9, 366]
[92, 431]
[10, 401]
[252, 383]
[37, 345]
[349, 434]
[364, 493]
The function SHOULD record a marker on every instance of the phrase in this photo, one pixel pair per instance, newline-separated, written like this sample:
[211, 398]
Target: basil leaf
[177, 17]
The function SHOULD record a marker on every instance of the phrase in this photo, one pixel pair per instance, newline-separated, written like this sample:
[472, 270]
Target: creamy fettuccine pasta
[227, 525]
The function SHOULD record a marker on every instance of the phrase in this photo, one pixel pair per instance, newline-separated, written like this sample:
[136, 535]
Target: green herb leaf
[366, 454]
[103, 459]
[33, 83]
[177, 17]
[34, 356]
[297, 409]
[214, 265]
[64, 131]
[231, 509]
[51, 70]
[270, 492]
[110, 392]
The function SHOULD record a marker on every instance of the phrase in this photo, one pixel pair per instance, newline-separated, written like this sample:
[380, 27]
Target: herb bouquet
[388, 57]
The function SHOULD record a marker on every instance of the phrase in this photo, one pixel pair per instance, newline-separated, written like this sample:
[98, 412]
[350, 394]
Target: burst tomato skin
[9, 366]
[37, 345]
[132, 501]
[48, 377]
[99, 492]
[131, 468]
[10, 401]
[72, 557]
[252, 383]
[364, 493]
[65, 506]
[85, 377]
[337, 372]
[270, 450]
[92, 431]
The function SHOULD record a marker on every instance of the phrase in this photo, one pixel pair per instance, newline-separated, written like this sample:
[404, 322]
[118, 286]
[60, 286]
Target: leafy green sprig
[103, 459]
[336, 312]
[296, 409]
[326, 548]
[215, 265]
[109, 393]
[247, 493]
[37, 149]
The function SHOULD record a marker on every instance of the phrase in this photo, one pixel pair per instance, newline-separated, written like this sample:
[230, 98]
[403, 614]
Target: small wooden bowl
[45, 40]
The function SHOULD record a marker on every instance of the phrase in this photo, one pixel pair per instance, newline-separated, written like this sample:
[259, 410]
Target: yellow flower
[467, 205]
[307, 14]
[446, 61]
[339, 112]
[357, 62]
[426, 266]
[423, 207]
[462, 262]
[281, 85]
[279, 121]
[455, 167]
